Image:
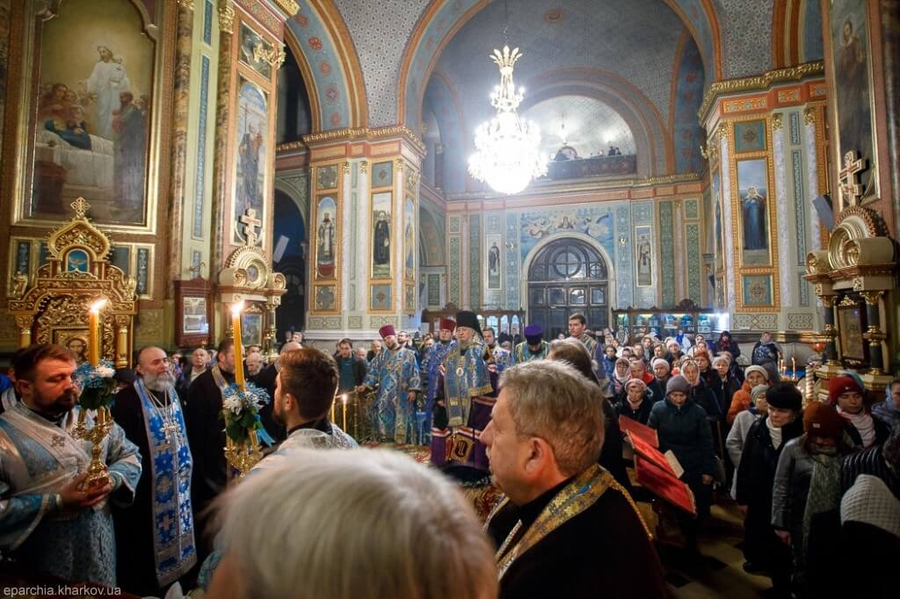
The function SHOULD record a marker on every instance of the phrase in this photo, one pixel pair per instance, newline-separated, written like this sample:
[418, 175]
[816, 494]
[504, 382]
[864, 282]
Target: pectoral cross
[250, 223]
[853, 165]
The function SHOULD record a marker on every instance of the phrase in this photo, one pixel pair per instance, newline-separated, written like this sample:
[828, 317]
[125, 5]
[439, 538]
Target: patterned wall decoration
[355, 322]
[794, 121]
[691, 209]
[380, 31]
[380, 297]
[382, 174]
[757, 290]
[800, 220]
[750, 136]
[801, 322]
[474, 254]
[316, 44]
[376, 322]
[780, 202]
[686, 130]
[726, 219]
[756, 322]
[512, 262]
[434, 290]
[325, 323]
[199, 177]
[624, 280]
[667, 253]
[746, 25]
[694, 276]
[325, 297]
[455, 269]
[455, 224]
[142, 273]
[207, 22]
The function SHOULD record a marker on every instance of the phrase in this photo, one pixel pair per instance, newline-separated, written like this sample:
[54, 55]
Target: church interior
[237, 175]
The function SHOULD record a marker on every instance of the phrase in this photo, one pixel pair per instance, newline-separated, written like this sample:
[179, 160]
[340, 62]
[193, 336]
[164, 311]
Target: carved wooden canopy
[247, 276]
[54, 309]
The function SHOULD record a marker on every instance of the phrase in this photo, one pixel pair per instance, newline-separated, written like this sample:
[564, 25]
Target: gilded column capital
[186, 4]
[809, 115]
[829, 300]
[399, 165]
[226, 16]
[777, 121]
[364, 166]
[871, 297]
[346, 168]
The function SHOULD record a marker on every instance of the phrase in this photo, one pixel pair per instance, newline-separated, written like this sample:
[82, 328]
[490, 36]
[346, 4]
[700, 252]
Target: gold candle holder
[243, 455]
[97, 472]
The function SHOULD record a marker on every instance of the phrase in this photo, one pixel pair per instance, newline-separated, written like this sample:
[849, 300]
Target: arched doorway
[289, 259]
[568, 276]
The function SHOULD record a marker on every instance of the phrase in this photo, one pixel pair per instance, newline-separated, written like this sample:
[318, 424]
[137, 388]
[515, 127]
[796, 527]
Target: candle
[238, 347]
[794, 368]
[344, 401]
[94, 332]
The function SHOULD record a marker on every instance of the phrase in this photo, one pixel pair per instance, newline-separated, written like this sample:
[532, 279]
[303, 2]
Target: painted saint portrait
[326, 211]
[644, 248]
[409, 235]
[93, 112]
[493, 261]
[753, 192]
[381, 236]
[252, 130]
[849, 40]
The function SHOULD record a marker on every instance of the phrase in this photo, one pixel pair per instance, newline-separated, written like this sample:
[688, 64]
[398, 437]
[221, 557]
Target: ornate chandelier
[507, 147]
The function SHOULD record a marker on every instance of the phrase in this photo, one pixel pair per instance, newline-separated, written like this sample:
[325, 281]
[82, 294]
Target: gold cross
[853, 165]
[250, 223]
[80, 206]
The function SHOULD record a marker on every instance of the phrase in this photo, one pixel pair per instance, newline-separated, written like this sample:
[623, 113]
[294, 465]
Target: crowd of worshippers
[538, 420]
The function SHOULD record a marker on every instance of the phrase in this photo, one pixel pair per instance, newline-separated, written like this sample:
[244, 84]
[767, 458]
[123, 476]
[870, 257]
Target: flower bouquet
[243, 428]
[98, 388]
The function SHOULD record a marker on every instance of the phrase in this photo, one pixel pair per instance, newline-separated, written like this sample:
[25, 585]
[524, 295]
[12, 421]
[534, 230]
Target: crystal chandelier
[507, 147]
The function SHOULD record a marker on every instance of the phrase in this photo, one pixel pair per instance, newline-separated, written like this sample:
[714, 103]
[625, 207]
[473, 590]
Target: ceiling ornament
[507, 155]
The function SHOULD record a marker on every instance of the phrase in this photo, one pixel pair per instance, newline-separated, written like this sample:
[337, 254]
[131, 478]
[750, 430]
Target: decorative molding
[800, 322]
[186, 4]
[274, 55]
[777, 121]
[759, 82]
[226, 16]
[364, 167]
[809, 115]
[350, 134]
[288, 6]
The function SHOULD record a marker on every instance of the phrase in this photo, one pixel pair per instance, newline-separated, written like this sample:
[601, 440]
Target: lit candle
[344, 401]
[794, 368]
[94, 332]
[238, 347]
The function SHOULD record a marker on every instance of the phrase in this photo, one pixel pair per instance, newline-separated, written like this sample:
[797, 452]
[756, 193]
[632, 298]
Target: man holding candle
[47, 519]
[394, 373]
[206, 437]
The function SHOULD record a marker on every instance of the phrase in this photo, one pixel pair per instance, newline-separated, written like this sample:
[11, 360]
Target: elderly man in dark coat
[565, 527]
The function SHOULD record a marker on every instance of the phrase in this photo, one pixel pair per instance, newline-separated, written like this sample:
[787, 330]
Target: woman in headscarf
[766, 439]
[662, 370]
[700, 392]
[740, 401]
[848, 395]
[621, 374]
[636, 404]
[711, 378]
[807, 480]
[726, 344]
[737, 436]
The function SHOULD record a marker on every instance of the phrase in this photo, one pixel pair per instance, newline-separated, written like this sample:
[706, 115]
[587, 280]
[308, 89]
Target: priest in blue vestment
[432, 363]
[394, 376]
[49, 521]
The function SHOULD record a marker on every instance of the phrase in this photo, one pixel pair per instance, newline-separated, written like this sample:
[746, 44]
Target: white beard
[162, 383]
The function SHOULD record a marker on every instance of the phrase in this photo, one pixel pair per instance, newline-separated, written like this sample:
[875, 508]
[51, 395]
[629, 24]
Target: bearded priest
[155, 536]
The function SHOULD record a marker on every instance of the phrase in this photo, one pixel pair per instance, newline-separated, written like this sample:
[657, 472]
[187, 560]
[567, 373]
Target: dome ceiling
[588, 125]
[636, 40]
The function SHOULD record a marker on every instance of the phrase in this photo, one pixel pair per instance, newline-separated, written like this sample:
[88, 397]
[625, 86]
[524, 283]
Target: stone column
[180, 107]
[223, 104]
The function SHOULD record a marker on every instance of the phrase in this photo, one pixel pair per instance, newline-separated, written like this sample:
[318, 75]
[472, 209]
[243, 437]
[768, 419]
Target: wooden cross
[250, 223]
[853, 165]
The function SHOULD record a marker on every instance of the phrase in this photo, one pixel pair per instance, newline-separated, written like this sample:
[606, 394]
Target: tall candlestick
[94, 332]
[238, 347]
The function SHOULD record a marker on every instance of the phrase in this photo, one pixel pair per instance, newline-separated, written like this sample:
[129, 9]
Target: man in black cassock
[206, 434]
[155, 535]
[565, 527]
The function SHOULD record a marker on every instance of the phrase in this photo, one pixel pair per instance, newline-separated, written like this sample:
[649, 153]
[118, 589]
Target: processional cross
[853, 165]
[250, 223]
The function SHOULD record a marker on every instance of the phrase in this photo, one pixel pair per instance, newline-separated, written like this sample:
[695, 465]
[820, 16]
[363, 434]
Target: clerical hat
[534, 333]
[448, 323]
[468, 319]
[386, 331]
